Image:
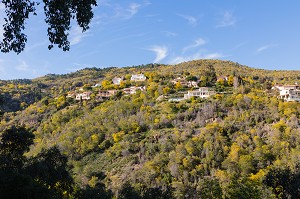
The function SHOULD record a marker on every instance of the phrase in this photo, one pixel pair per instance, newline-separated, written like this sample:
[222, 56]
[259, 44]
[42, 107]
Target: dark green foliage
[18, 185]
[191, 78]
[14, 182]
[243, 189]
[49, 169]
[94, 193]
[208, 188]
[284, 182]
[127, 191]
[15, 141]
[209, 77]
[150, 193]
[16, 14]
[43, 176]
[58, 18]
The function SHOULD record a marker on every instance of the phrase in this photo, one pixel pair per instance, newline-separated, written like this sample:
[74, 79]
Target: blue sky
[261, 34]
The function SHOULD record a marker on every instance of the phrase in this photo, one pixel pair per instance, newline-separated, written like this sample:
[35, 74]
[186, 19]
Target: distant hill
[30, 90]
[142, 139]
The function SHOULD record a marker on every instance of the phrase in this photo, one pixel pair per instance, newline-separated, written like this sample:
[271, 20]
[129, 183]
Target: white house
[180, 80]
[183, 82]
[192, 84]
[138, 77]
[290, 95]
[133, 89]
[286, 87]
[83, 96]
[288, 92]
[117, 80]
[106, 93]
[202, 92]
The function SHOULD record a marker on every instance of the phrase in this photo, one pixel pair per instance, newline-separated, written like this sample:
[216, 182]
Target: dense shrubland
[241, 143]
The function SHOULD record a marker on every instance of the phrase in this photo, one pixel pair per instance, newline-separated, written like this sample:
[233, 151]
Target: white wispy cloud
[147, 3]
[265, 47]
[2, 67]
[78, 66]
[169, 33]
[227, 19]
[133, 8]
[118, 11]
[179, 59]
[213, 56]
[36, 45]
[240, 45]
[76, 35]
[193, 21]
[198, 42]
[2, 71]
[22, 66]
[160, 51]
[127, 12]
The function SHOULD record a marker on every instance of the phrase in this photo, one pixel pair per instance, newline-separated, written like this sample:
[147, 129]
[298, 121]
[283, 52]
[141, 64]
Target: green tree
[209, 75]
[43, 176]
[58, 18]
[49, 168]
[14, 182]
[15, 141]
[284, 182]
[209, 188]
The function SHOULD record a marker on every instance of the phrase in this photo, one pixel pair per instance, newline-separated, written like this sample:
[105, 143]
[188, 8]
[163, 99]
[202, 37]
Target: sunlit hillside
[198, 129]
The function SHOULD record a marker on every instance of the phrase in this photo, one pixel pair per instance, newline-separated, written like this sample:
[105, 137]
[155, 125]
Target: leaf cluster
[58, 16]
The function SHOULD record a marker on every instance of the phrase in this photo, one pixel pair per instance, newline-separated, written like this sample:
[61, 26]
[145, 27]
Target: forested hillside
[241, 142]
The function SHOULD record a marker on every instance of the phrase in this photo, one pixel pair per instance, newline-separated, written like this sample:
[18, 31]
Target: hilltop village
[189, 87]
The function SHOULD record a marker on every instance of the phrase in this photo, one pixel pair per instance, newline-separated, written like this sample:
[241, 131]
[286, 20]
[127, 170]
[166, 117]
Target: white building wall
[290, 95]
